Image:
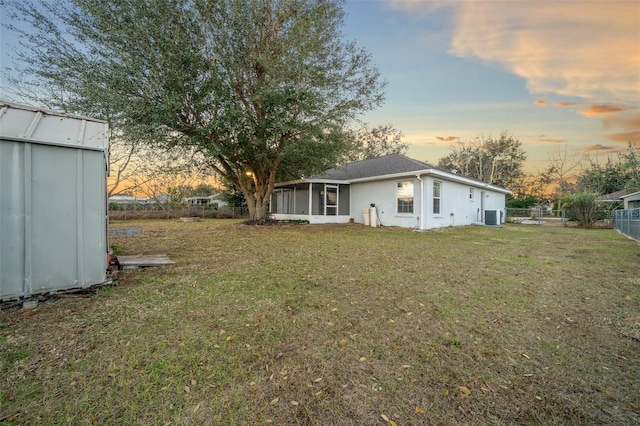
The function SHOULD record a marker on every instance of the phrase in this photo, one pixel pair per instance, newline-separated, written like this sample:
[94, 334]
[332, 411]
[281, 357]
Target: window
[471, 194]
[436, 197]
[404, 193]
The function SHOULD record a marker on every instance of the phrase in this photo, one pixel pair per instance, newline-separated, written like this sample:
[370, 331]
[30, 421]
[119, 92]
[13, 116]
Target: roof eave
[435, 172]
[630, 195]
[312, 180]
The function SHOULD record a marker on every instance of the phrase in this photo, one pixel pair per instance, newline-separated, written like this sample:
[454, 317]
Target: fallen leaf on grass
[274, 401]
[420, 410]
[294, 403]
[465, 390]
[363, 359]
[388, 420]
[186, 389]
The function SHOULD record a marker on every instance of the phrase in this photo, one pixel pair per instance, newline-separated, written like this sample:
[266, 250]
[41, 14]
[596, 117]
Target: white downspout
[422, 197]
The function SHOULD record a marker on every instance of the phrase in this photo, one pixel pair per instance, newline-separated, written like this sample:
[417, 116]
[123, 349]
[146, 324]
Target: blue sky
[548, 72]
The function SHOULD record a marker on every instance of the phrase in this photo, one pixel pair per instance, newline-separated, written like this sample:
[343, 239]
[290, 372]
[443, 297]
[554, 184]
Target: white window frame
[472, 194]
[399, 197]
[438, 184]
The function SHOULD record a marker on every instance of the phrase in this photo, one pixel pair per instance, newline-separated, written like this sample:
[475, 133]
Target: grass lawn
[338, 325]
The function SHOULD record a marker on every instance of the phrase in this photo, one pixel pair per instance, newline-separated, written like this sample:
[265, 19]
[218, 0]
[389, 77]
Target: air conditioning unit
[492, 217]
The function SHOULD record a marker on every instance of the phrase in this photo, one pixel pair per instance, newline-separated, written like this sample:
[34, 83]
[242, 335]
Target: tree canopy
[497, 161]
[261, 88]
[375, 142]
[616, 174]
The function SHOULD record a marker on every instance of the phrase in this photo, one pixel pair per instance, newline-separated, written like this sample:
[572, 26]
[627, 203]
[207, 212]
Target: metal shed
[53, 208]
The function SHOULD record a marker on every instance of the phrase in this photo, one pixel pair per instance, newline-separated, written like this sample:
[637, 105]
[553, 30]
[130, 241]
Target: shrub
[585, 208]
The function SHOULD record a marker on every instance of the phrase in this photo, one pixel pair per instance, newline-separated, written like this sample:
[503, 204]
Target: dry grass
[339, 325]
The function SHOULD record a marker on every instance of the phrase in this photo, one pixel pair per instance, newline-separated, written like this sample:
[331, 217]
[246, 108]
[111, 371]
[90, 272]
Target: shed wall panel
[12, 186]
[52, 218]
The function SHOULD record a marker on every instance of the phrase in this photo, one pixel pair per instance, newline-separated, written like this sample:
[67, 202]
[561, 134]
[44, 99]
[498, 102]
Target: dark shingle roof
[614, 196]
[379, 166]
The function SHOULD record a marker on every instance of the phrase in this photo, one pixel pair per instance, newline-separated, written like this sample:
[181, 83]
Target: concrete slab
[144, 261]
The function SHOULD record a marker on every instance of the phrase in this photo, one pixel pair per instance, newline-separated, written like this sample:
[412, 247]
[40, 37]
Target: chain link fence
[537, 216]
[141, 210]
[627, 222]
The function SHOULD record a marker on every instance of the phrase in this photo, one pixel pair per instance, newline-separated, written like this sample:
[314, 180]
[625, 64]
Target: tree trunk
[258, 208]
[258, 201]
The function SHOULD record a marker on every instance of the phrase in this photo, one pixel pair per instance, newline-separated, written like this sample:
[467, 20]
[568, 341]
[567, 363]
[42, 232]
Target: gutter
[422, 197]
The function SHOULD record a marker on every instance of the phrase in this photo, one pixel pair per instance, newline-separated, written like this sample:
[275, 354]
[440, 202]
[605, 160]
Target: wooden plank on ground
[144, 261]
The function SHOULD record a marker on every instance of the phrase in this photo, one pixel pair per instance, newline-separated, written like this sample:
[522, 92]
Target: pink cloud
[599, 110]
[541, 102]
[447, 138]
[587, 49]
[565, 104]
[600, 148]
[544, 138]
[632, 136]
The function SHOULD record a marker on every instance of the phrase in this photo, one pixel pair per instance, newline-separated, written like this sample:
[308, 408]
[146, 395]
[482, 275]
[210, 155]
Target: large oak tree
[262, 88]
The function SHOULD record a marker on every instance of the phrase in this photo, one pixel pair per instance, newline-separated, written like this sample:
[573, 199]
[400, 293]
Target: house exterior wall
[456, 207]
[632, 201]
[383, 195]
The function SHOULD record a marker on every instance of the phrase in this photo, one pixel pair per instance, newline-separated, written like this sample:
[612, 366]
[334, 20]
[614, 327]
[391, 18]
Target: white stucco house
[404, 192]
[210, 200]
[631, 201]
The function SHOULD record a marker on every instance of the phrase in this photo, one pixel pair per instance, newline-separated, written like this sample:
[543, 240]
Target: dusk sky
[548, 72]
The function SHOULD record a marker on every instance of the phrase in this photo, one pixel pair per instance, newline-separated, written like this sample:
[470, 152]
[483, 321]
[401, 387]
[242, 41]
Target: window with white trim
[436, 196]
[404, 195]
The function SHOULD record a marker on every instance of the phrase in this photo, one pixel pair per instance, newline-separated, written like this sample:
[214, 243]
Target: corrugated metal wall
[52, 207]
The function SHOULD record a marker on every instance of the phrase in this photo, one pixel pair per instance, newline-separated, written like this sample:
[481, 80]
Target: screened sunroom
[315, 201]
